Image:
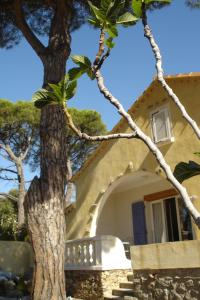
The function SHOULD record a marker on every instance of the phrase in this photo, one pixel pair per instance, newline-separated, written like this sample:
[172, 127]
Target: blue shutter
[139, 223]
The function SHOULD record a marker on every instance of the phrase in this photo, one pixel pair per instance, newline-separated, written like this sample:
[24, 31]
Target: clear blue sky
[127, 72]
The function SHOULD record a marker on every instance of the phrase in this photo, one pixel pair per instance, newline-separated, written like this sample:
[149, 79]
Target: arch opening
[141, 208]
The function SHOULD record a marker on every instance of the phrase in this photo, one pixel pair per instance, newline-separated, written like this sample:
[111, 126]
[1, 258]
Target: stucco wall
[113, 159]
[174, 255]
[116, 216]
[15, 257]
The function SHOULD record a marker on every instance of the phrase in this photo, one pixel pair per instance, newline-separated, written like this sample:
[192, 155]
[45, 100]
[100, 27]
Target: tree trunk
[45, 209]
[21, 186]
[44, 202]
[45, 199]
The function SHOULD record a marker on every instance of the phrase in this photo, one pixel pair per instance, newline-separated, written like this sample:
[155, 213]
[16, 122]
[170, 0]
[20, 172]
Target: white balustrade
[96, 253]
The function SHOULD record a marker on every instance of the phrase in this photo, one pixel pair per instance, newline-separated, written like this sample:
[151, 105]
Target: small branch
[9, 151]
[3, 147]
[101, 49]
[69, 192]
[160, 73]
[152, 147]
[97, 138]
[21, 23]
[23, 155]
[104, 57]
[8, 178]
[7, 170]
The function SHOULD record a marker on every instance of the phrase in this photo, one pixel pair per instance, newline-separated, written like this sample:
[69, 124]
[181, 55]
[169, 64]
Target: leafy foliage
[8, 220]
[185, 171]
[39, 15]
[149, 4]
[58, 93]
[19, 125]
[110, 13]
[88, 121]
[9, 229]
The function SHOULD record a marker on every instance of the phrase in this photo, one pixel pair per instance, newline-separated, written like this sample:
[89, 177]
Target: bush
[8, 220]
[9, 230]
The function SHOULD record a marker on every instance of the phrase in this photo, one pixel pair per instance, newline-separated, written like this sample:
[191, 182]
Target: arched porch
[141, 208]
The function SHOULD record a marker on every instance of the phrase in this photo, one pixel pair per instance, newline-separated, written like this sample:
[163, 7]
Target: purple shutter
[139, 223]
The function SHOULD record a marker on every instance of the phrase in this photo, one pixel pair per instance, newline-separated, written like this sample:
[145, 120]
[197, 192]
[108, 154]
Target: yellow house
[121, 190]
[123, 198]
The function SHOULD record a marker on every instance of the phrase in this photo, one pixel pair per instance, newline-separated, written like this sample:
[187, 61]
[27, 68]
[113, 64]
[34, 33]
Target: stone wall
[93, 285]
[173, 284]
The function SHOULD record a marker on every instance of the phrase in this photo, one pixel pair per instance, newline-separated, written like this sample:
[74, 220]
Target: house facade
[123, 199]
[121, 190]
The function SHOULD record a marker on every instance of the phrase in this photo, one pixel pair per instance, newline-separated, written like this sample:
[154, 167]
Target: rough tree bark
[45, 209]
[45, 199]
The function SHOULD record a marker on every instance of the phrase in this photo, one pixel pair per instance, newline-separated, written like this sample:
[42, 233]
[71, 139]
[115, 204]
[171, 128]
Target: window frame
[168, 124]
[161, 201]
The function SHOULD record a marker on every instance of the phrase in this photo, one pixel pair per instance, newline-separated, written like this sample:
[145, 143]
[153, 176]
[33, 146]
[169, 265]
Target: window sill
[168, 141]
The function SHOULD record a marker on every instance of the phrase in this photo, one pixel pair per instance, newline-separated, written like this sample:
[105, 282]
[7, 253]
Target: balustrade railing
[100, 252]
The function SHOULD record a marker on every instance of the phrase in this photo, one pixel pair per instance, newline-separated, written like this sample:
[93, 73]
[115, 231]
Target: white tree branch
[9, 151]
[160, 73]
[69, 192]
[97, 138]
[152, 147]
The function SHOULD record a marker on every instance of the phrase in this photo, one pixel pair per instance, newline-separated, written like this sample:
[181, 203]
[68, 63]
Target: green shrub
[8, 221]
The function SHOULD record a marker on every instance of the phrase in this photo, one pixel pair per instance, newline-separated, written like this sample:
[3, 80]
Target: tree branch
[7, 170]
[59, 36]
[152, 147]
[8, 178]
[160, 74]
[9, 151]
[98, 138]
[69, 192]
[24, 154]
[21, 23]
[100, 51]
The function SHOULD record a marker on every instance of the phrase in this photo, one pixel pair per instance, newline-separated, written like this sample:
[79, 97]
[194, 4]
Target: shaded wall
[116, 215]
[15, 257]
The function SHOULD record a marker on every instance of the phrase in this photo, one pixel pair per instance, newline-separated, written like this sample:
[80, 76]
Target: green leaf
[127, 18]
[112, 31]
[41, 94]
[105, 4]
[75, 73]
[91, 74]
[109, 43]
[56, 90]
[116, 9]
[43, 97]
[95, 22]
[137, 8]
[71, 90]
[97, 12]
[81, 60]
[185, 171]
[41, 103]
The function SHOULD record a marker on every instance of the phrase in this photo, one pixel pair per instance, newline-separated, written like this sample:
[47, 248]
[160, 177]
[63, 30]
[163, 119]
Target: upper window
[161, 126]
